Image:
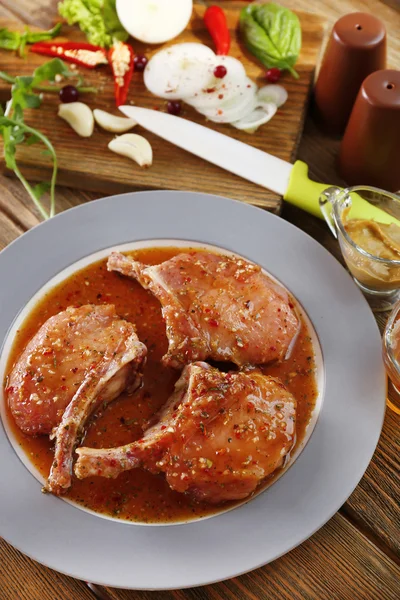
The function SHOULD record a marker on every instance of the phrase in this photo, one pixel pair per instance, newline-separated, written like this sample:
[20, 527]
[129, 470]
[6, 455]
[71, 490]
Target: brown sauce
[137, 495]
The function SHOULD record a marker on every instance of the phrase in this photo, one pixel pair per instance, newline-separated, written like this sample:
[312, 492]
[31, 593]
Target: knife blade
[290, 181]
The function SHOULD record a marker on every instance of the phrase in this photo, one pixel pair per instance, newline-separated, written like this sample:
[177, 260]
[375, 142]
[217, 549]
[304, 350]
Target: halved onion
[178, 72]
[154, 21]
[272, 94]
[256, 118]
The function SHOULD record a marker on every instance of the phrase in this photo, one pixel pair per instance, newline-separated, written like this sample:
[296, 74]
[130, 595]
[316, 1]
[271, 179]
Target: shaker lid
[382, 89]
[359, 30]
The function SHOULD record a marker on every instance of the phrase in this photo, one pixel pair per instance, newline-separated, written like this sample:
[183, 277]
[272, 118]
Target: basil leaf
[273, 34]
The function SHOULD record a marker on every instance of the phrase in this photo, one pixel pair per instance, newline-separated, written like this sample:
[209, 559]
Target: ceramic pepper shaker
[370, 149]
[356, 48]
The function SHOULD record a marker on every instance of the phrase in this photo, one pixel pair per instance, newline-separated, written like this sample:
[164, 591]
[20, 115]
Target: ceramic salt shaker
[370, 149]
[356, 48]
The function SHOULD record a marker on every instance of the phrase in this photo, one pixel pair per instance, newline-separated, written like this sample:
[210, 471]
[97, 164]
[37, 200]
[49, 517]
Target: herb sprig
[15, 131]
[15, 40]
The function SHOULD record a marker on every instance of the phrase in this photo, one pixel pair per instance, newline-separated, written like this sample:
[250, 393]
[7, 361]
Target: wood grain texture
[24, 579]
[336, 563]
[325, 566]
[88, 164]
[354, 555]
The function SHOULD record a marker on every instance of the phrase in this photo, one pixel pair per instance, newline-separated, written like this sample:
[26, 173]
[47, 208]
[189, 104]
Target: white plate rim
[215, 553]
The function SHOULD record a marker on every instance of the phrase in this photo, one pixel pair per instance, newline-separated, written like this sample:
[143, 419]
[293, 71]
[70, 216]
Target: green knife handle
[305, 193]
[302, 191]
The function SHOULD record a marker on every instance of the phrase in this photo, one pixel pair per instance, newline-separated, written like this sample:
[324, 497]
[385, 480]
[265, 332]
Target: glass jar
[391, 355]
[365, 221]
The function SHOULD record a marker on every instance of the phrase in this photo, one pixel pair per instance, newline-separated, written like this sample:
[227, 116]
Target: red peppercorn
[273, 75]
[174, 107]
[140, 61]
[68, 93]
[220, 72]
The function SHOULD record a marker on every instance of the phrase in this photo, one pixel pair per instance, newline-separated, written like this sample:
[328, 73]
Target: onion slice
[220, 89]
[180, 71]
[256, 118]
[235, 108]
[154, 21]
[186, 72]
[272, 94]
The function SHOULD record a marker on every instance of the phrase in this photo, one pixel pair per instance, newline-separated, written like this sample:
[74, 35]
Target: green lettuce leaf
[273, 34]
[113, 24]
[96, 18]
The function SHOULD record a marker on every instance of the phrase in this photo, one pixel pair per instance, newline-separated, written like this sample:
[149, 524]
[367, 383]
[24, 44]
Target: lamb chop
[80, 359]
[218, 436]
[218, 307]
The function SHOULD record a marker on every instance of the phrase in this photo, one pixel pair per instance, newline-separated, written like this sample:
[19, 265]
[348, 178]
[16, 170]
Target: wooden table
[356, 555]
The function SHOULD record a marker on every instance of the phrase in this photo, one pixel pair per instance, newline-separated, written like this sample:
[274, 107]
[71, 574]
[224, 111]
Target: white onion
[220, 89]
[256, 118]
[186, 72]
[235, 108]
[178, 72]
[154, 21]
[272, 94]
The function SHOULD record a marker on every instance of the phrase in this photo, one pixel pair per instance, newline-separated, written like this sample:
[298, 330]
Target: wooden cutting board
[88, 164]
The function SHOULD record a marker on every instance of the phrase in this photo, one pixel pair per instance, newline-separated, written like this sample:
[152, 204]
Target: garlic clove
[133, 146]
[112, 123]
[79, 116]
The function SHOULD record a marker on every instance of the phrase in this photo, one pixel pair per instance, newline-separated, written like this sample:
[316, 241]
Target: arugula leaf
[9, 40]
[43, 36]
[48, 72]
[15, 131]
[32, 139]
[8, 78]
[273, 34]
[41, 188]
[14, 40]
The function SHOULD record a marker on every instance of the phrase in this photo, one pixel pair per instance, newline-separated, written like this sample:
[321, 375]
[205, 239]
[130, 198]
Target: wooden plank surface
[86, 163]
[337, 559]
[305, 573]
[37, 582]
[355, 554]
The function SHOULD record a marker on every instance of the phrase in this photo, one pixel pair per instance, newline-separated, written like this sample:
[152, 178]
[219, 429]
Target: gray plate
[131, 556]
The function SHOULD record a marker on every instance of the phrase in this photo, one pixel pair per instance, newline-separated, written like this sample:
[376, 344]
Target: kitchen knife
[275, 174]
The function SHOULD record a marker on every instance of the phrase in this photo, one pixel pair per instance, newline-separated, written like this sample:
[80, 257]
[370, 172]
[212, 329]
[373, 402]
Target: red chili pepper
[216, 24]
[121, 57]
[79, 53]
